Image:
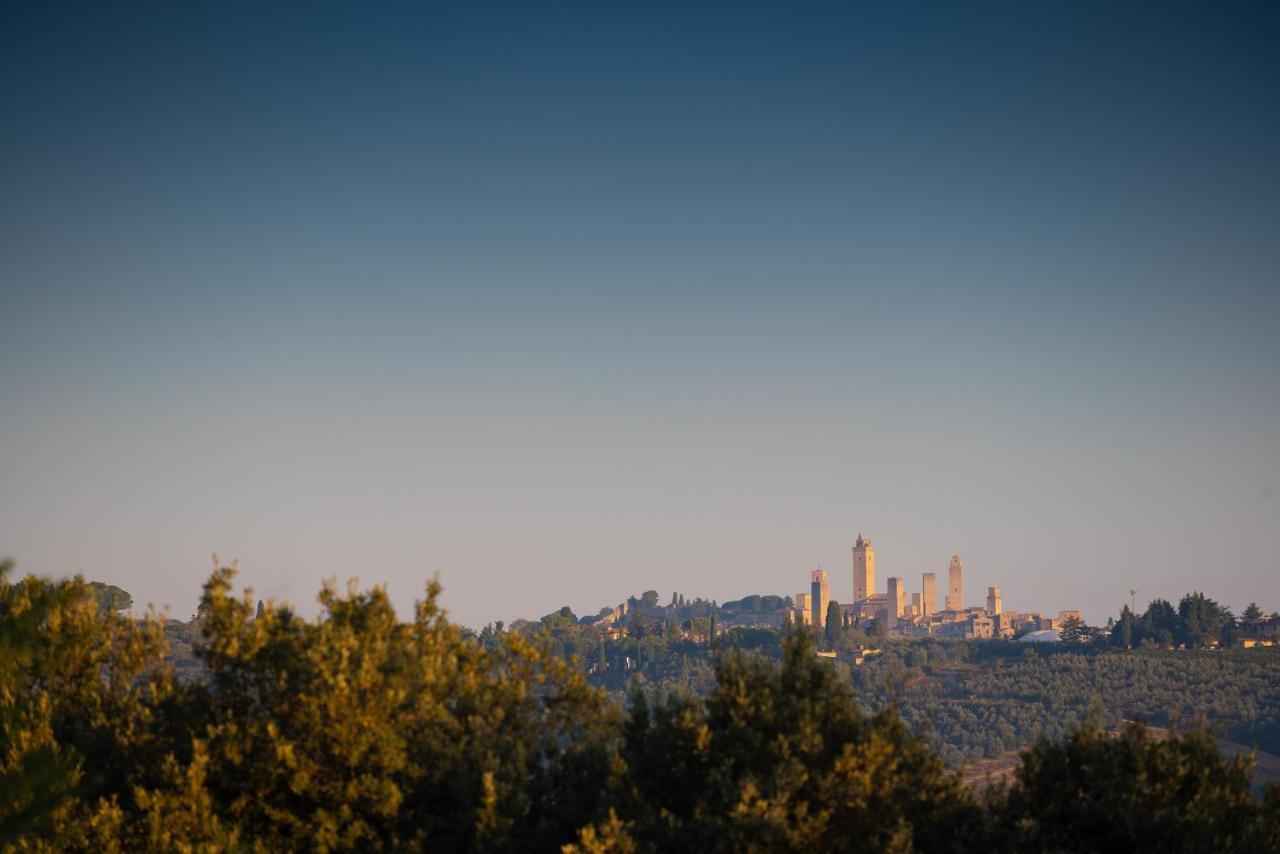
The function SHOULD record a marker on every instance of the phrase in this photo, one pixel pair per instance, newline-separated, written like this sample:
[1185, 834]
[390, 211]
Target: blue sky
[567, 302]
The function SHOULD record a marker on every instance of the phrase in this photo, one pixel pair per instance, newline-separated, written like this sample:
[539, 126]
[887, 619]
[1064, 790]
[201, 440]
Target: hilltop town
[890, 613]
[896, 614]
[920, 616]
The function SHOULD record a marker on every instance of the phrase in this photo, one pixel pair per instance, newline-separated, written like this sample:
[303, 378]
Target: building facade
[994, 604]
[804, 609]
[896, 603]
[929, 594]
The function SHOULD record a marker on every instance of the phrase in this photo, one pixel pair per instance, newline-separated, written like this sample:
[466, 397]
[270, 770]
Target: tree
[1161, 623]
[784, 760]
[1251, 613]
[1073, 630]
[76, 732]
[356, 730]
[379, 733]
[110, 598]
[834, 626]
[1138, 791]
[1203, 620]
[381, 730]
[1122, 634]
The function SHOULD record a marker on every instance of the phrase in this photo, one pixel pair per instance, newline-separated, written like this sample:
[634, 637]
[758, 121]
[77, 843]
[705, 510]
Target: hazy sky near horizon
[569, 301]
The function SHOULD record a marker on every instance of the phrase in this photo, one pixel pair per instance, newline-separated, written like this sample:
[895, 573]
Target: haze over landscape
[570, 303]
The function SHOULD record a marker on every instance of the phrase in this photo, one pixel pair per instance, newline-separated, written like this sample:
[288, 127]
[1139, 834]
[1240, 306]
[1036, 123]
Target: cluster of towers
[895, 608]
[916, 614]
[894, 603]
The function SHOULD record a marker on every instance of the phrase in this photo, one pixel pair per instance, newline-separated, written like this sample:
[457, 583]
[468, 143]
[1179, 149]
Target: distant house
[1264, 632]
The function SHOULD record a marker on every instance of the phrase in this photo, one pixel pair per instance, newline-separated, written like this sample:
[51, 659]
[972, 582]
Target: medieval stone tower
[929, 594]
[864, 570]
[955, 585]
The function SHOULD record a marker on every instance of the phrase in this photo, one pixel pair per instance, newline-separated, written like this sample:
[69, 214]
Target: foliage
[833, 626]
[80, 726]
[981, 699]
[783, 760]
[1137, 791]
[358, 731]
[1073, 630]
[1198, 621]
[109, 597]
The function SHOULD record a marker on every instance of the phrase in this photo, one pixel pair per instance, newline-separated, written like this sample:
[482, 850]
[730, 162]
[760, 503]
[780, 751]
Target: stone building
[955, 585]
[864, 569]
[820, 596]
[804, 608]
[896, 603]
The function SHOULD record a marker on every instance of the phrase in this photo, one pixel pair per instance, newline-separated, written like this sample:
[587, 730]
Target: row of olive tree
[358, 731]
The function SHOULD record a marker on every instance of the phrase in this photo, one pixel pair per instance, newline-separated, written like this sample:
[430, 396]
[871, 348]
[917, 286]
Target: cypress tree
[834, 627]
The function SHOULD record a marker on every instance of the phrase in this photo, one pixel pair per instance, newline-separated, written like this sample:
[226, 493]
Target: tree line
[1197, 621]
[357, 731]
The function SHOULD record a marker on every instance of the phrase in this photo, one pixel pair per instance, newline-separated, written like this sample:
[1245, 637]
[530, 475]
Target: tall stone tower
[929, 594]
[897, 601]
[864, 569]
[994, 605]
[819, 597]
[955, 585]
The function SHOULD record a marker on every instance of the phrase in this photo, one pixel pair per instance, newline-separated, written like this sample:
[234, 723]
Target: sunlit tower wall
[804, 610]
[897, 601]
[955, 585]
[929, 594]
[994, 605]
[819, 596]
[864, 570]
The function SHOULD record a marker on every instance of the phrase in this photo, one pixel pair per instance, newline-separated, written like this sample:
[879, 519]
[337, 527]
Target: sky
[565, 302]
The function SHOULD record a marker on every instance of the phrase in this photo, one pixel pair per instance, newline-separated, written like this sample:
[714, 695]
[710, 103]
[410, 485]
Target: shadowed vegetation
[357, 731]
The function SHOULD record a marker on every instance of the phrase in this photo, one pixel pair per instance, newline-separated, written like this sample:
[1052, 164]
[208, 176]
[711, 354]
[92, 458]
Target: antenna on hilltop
[1133, 599]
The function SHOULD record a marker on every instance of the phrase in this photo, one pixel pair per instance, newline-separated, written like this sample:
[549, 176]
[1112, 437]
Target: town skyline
[976, 596]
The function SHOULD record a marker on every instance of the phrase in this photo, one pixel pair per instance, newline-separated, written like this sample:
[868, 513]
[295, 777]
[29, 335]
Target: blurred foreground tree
[1137, 791]
[779, 758]
[109, 597]
[82, 697]
[357, 731]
